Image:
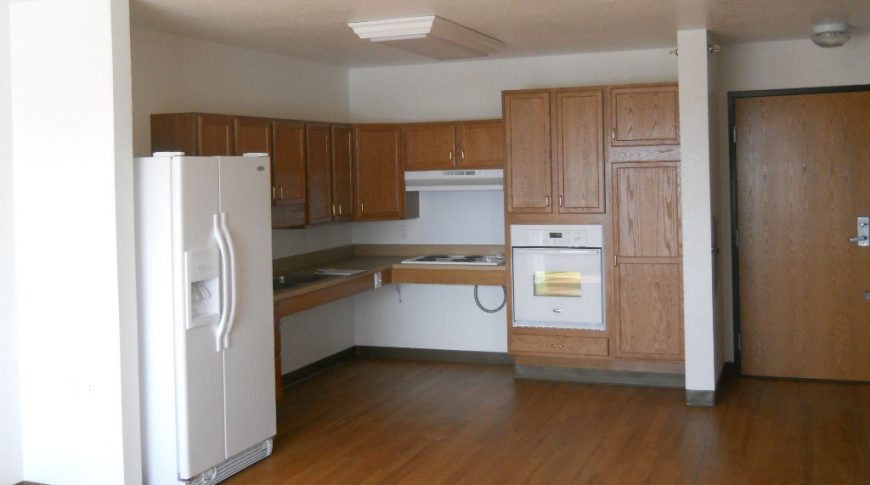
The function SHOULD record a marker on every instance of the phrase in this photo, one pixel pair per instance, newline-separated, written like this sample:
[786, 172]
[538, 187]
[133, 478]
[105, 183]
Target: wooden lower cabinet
[522, 343]
[649, 311]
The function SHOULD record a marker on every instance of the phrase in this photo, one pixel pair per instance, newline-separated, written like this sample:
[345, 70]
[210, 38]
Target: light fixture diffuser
[430, 36]
[830, 34]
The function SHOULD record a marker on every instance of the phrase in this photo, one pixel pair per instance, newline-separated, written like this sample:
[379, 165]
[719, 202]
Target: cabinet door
[319, 183]
[174, 132]
[380, 182]
[288, 174]
[214, 135]
[429, 146]
[644, 116]
[481, 144]
[579, 150]
[342, 150]
[650, 308]
[528, 175]
[647, 212]
[252, 135]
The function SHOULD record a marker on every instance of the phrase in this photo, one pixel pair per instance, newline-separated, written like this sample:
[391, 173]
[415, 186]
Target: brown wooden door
[528, 177]
[579, 152]
[214, 135]
[644, 115]
[252, 135]
[429, 146]
[649, 303]
[803, 178]
[481, 144]
[318, 167]
[342, 167]
[380, 181]
[288, 173]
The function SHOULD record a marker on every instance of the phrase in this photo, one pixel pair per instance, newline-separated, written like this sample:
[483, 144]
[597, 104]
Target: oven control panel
[586, 235]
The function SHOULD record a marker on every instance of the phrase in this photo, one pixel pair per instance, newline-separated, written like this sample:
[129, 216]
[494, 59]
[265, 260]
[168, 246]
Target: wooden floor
[403, 422]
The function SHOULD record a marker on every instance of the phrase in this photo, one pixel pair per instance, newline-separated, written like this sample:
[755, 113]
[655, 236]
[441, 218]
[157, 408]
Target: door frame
[733, 96]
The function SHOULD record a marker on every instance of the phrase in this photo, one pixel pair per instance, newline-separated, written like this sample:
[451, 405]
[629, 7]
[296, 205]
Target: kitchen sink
[289, 281]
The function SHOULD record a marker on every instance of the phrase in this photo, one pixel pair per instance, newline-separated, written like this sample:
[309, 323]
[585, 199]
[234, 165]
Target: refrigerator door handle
[225, 285]
[231, 320]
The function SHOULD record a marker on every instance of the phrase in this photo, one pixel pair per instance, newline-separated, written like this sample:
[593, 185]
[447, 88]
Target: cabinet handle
[547, 200]
[282, 192]
[613, 133]
[557, 346]
[273, 192]
[450, 155]
[362, 207]
[333, 210]
[462, 154]
[339, 209]
[560, 201]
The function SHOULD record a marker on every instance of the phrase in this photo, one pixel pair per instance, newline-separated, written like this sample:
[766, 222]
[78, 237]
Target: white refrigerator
[206, 349]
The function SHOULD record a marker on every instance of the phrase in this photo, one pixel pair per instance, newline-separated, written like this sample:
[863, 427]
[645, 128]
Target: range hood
[454, 180]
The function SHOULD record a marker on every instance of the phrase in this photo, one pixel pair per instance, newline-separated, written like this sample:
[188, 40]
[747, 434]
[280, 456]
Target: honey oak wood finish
[252, 135]
[214, 135]
[448, 275]
[288, 174]
[195, 134]
[558, 344]
[528, 174]
[318, 168]
[644, 115]
[429, 146]
[481, 144]
[803, 176]
[579, 150]
[378, 174]
[342, 170]
[648, 291]
[377, 421]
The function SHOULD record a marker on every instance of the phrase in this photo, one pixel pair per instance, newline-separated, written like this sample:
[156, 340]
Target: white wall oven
[557, 276]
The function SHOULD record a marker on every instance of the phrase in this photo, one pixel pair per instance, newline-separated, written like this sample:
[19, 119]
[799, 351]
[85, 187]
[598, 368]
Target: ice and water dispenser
[202, 276]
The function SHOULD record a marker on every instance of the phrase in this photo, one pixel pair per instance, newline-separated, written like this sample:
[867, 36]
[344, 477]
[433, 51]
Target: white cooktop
[475, 260]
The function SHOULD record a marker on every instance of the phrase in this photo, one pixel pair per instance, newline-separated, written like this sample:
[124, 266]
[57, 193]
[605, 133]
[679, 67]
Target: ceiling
[317, 29]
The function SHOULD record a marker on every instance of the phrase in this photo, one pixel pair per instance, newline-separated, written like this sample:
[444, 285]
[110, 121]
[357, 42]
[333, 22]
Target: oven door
[557, 288]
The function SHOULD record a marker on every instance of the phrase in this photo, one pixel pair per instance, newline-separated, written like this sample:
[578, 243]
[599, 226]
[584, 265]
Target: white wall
[772, 65]
[10, 408]
[311, 335]
[699, 328]
[77, 334]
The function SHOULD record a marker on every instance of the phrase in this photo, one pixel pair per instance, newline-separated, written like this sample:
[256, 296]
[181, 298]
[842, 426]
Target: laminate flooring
[372, 421]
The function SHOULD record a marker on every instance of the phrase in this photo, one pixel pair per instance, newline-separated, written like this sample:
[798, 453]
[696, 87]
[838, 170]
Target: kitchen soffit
[317, 29]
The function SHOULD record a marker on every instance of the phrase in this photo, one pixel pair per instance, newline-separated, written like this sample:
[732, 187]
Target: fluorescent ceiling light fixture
[430, 36]
[832, 34]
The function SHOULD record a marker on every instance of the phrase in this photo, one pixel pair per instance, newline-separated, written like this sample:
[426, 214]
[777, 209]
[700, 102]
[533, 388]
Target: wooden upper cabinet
[288, 173]
[378, 173]
[429, 146]
[215, 135]
[528, 165]
[579, 150]
[647, 214]
[318, 167]
[644, 115]
[342, 156]
[481, 144]
[195, 134]
[252, 135]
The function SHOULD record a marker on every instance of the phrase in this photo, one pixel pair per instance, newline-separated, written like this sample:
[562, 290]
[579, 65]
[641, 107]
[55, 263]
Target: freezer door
[198, 363]
[249, 356]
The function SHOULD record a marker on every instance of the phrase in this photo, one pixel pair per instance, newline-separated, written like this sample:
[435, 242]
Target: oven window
[557, 283]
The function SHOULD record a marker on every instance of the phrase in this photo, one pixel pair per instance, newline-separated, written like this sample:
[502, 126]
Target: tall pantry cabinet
[606, 155]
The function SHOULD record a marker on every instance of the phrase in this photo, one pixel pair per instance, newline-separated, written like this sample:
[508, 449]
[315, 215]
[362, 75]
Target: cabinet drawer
[556, 344]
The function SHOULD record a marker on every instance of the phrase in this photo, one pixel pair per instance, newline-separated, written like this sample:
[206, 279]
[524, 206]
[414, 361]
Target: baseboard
[704, 399]
[317, 367]
[434, 355]
[599, 376]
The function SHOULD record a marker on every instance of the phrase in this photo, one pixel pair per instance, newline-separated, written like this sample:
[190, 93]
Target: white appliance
[203, 259]
[420, 181]
[472, 260]
[557, 274]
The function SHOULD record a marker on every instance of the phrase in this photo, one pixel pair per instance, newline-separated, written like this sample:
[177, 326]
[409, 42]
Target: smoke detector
[833, 34]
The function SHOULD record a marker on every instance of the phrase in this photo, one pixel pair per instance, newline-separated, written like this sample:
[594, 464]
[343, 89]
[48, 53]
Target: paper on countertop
[339, 272]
